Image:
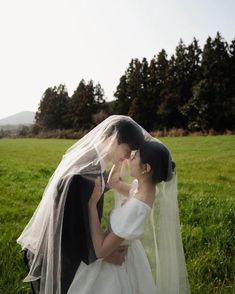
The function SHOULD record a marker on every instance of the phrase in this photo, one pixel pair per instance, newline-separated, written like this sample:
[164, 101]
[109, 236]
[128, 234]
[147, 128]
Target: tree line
[193, 89]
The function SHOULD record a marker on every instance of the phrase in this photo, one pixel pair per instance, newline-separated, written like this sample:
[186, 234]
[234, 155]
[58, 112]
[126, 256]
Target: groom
[76, 243]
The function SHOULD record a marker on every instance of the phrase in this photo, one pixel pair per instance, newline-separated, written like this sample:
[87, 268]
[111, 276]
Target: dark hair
[128, 133]
[159, 158]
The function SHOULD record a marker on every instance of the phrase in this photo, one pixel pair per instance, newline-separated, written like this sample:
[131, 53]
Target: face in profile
[120, 152]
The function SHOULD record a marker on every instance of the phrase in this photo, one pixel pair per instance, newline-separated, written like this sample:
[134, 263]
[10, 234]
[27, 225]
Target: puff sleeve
[128, 220]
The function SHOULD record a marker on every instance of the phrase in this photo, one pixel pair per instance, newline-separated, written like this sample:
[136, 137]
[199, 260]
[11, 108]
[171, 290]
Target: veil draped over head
[43, 234]
[162, 229]
[162, 237]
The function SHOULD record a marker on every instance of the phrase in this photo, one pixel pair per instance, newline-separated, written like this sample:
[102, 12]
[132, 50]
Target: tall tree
[141, 105]
[53, 109]
[62, 110]
[158, 70]
[211, 98]
[183, 71]
[86, 100]
[231, 87]
[123, 100]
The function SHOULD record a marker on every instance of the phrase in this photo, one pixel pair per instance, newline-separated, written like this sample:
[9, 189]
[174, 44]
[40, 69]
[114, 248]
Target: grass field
[206, 177]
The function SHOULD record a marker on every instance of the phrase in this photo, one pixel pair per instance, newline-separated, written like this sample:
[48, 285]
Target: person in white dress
[148, 165]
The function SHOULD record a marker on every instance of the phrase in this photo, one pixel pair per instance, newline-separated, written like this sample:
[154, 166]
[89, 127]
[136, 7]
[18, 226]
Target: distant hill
[24, 117]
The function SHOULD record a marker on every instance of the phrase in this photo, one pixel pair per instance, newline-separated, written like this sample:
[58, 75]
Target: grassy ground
[206, 178]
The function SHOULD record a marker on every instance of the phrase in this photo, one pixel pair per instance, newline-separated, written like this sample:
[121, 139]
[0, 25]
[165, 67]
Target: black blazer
[76, 242]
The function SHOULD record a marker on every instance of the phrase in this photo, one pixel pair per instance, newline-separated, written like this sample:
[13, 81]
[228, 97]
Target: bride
[150, 165]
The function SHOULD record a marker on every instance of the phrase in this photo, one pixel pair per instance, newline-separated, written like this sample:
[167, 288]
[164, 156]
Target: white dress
[134, 276]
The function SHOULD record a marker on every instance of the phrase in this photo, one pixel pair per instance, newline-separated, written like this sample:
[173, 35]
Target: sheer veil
[42, 235]
[166, 256]
[162, 238]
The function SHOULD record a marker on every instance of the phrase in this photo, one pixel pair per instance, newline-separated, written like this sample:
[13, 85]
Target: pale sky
[48, 42]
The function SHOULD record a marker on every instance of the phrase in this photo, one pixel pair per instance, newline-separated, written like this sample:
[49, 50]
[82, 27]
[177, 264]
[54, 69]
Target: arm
[118, 256]
[115, 181]
[103, 245]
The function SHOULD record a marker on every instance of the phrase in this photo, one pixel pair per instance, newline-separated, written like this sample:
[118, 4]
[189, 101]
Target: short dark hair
[128, 132]
[159, 158]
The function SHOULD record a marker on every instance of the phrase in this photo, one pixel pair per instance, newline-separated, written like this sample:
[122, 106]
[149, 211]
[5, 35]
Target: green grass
[206, 178]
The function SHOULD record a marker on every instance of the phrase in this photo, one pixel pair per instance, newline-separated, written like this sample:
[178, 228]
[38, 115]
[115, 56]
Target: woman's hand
[118, 256]
[97, 192]
[115, 181]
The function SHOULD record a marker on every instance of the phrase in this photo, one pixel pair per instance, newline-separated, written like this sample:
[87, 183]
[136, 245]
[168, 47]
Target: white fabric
[134, 276]
[42, 234]
[163, 230]
[128, 221]
[161, 238]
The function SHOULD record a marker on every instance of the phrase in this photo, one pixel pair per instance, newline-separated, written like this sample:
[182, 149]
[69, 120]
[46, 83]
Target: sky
[45, 43]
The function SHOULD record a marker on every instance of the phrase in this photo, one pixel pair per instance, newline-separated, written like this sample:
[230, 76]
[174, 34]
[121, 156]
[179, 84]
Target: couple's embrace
[140, 251]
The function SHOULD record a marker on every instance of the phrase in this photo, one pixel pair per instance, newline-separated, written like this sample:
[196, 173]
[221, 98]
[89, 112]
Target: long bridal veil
[42, 235]
[162, 240]
[163, 230]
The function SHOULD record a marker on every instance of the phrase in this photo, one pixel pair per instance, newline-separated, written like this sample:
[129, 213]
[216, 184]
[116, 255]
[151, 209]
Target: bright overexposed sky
[48, 42]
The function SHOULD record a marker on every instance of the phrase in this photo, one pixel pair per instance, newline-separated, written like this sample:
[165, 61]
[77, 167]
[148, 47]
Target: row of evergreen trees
[194, 89]
[59, 111]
